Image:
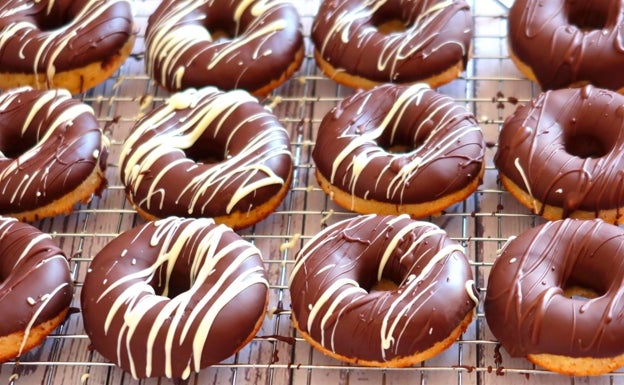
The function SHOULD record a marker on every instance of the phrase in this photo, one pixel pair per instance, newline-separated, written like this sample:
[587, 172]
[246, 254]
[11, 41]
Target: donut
[561, 155]
[36, 287]
[171, 297]
[555, 295]
[582, 39]
[338, 309]
[399, 149]
[364, 43]
[255, 45]
[52, 153]
[63, 43]
[207, 153]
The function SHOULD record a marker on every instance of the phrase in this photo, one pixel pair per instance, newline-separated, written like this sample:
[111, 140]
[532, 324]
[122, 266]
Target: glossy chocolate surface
[333, 275]
[170, 297]
[205, 153]
[526, 307]
[566, 42]
[60, 35]
[49, 144]
[566, 148]
[35, 281]
[185, 49]
[443, 145]
[437, 36]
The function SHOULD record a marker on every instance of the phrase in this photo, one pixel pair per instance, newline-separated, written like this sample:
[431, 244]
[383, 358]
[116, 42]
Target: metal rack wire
[490, 87]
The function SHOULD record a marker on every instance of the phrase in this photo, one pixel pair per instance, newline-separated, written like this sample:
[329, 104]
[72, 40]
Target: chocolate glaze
[437, 37]
[49, 144]
[171, 297]
[60, 35]
[265, 36]
[566, 148]
[526, 308]
[35, 281]
[250, 153]
[446, 146]
[334, 272]
[566, 42]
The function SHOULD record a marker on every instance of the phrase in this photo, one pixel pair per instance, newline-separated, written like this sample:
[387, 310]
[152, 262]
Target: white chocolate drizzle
[178, 38]
[49, 45]
[325, 271]
[187, 315]
[205, 107]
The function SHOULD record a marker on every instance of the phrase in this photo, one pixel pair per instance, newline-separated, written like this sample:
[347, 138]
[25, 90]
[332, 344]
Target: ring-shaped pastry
[63, 43]
[208, 153]
[555, 295]
[338, 310]
[364, 43]
[171, 297]
[399, 150]
[253, 45]
[582, 40]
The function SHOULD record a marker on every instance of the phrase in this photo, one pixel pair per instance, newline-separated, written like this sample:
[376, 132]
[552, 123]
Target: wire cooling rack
[490, 88]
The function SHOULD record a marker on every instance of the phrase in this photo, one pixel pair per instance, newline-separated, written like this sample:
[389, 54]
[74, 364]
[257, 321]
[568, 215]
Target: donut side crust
[77, 80]
[615, 216]
[415, 210]
[10, 344]
[398, 362]
[577, 366]
[83, 193]
[355, 81]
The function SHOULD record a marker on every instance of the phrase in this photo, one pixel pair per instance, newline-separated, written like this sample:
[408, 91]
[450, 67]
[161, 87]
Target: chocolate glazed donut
[52, 153]
[527, 306]
[63, 43]
[36, 287]
[250, 44]
[399, 149]
[207, 153]
[582, 42]
[562, 155]
[171, 297]
[357, 44]
[336, 310]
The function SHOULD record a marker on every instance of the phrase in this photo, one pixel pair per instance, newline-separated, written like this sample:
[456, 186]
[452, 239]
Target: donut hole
[388, 20]
[391, 26]
[586, 15]
[585, 146]
[385, 284]
[60, 16]
[13, 144]
[398, 149]
[205, 151]
[221, 35]
[580, 292]
[51, 24]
